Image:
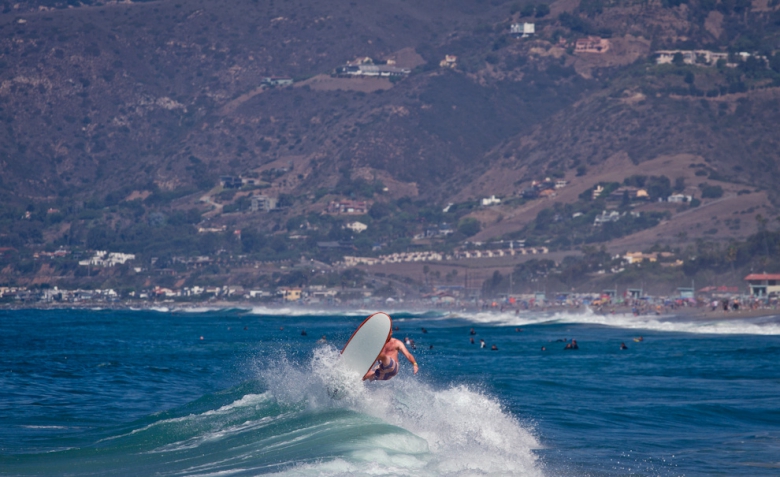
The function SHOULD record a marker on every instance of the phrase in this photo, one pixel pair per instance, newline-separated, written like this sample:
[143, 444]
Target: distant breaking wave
[732, 325]
[769, 325]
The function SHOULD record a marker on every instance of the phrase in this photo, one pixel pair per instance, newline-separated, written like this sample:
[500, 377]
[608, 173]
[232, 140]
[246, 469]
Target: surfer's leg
[371, 375]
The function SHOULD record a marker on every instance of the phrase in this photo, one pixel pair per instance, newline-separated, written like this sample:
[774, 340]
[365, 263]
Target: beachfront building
[762, 284]
[290, 293]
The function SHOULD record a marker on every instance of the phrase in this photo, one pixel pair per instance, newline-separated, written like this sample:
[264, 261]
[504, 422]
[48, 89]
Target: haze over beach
[569, 209]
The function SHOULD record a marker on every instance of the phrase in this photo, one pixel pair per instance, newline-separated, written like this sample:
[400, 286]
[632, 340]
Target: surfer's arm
[409, 356]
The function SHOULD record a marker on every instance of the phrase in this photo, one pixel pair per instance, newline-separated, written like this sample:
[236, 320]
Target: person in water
[388, 361]
[572, 345]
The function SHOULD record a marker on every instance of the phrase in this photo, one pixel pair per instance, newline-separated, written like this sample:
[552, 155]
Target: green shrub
[711, 191]
[469, 226]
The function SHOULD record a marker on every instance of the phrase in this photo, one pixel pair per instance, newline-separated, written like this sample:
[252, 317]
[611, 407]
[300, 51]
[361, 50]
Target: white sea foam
[296, 311]
[452, 431]
[197, 309]
[671, 323]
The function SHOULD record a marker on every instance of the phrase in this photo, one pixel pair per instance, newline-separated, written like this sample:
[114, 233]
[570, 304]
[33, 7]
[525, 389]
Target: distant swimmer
[472, 332]
[623, 346]
[423, 330]
[471, 340]
[638, 340]
[482, 343]
[518, 330]
[395, 329]
[572, 345]
[544, 349]
[494, 348]
[387, 366]
[303, 333]
[322, 340]
[410, 342]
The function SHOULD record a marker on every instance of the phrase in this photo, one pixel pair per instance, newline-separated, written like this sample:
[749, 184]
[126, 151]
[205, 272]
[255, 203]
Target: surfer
[388, 361]
[572, 345]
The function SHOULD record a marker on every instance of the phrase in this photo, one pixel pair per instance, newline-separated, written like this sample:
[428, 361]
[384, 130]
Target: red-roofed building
[762, 284]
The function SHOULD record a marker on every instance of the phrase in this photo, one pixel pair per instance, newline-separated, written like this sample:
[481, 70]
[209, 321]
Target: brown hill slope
[733, 133]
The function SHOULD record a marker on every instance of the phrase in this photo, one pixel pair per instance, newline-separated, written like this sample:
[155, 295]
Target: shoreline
[679, 314]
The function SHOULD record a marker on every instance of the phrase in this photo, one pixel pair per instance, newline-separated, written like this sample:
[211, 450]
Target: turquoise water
[140, 393]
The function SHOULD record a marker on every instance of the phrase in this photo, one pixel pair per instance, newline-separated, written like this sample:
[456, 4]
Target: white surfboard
[363, 348]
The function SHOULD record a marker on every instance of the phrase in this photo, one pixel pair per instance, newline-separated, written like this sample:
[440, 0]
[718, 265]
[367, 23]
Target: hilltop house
[679, 198]
[529, 193]
[639, 257]
[690, 57]
[442, 230]
[107, 259]
[367, 67]
[762, 284]
[522, 29]
[449, 61]
[231, 182]
[348, 207]
[591, 44]
[277, 81]
[357, 227]
[605, 217]
[262, 202]
[492, 200]
[633, 193]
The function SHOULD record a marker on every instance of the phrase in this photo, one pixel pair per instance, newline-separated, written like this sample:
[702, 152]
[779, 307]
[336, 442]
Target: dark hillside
[426, 129]
[120, 121]
[106, 95]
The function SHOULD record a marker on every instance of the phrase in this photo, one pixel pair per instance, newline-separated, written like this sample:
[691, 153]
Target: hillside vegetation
[118, 120]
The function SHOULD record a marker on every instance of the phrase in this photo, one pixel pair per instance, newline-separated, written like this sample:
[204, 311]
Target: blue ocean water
[243, 392]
